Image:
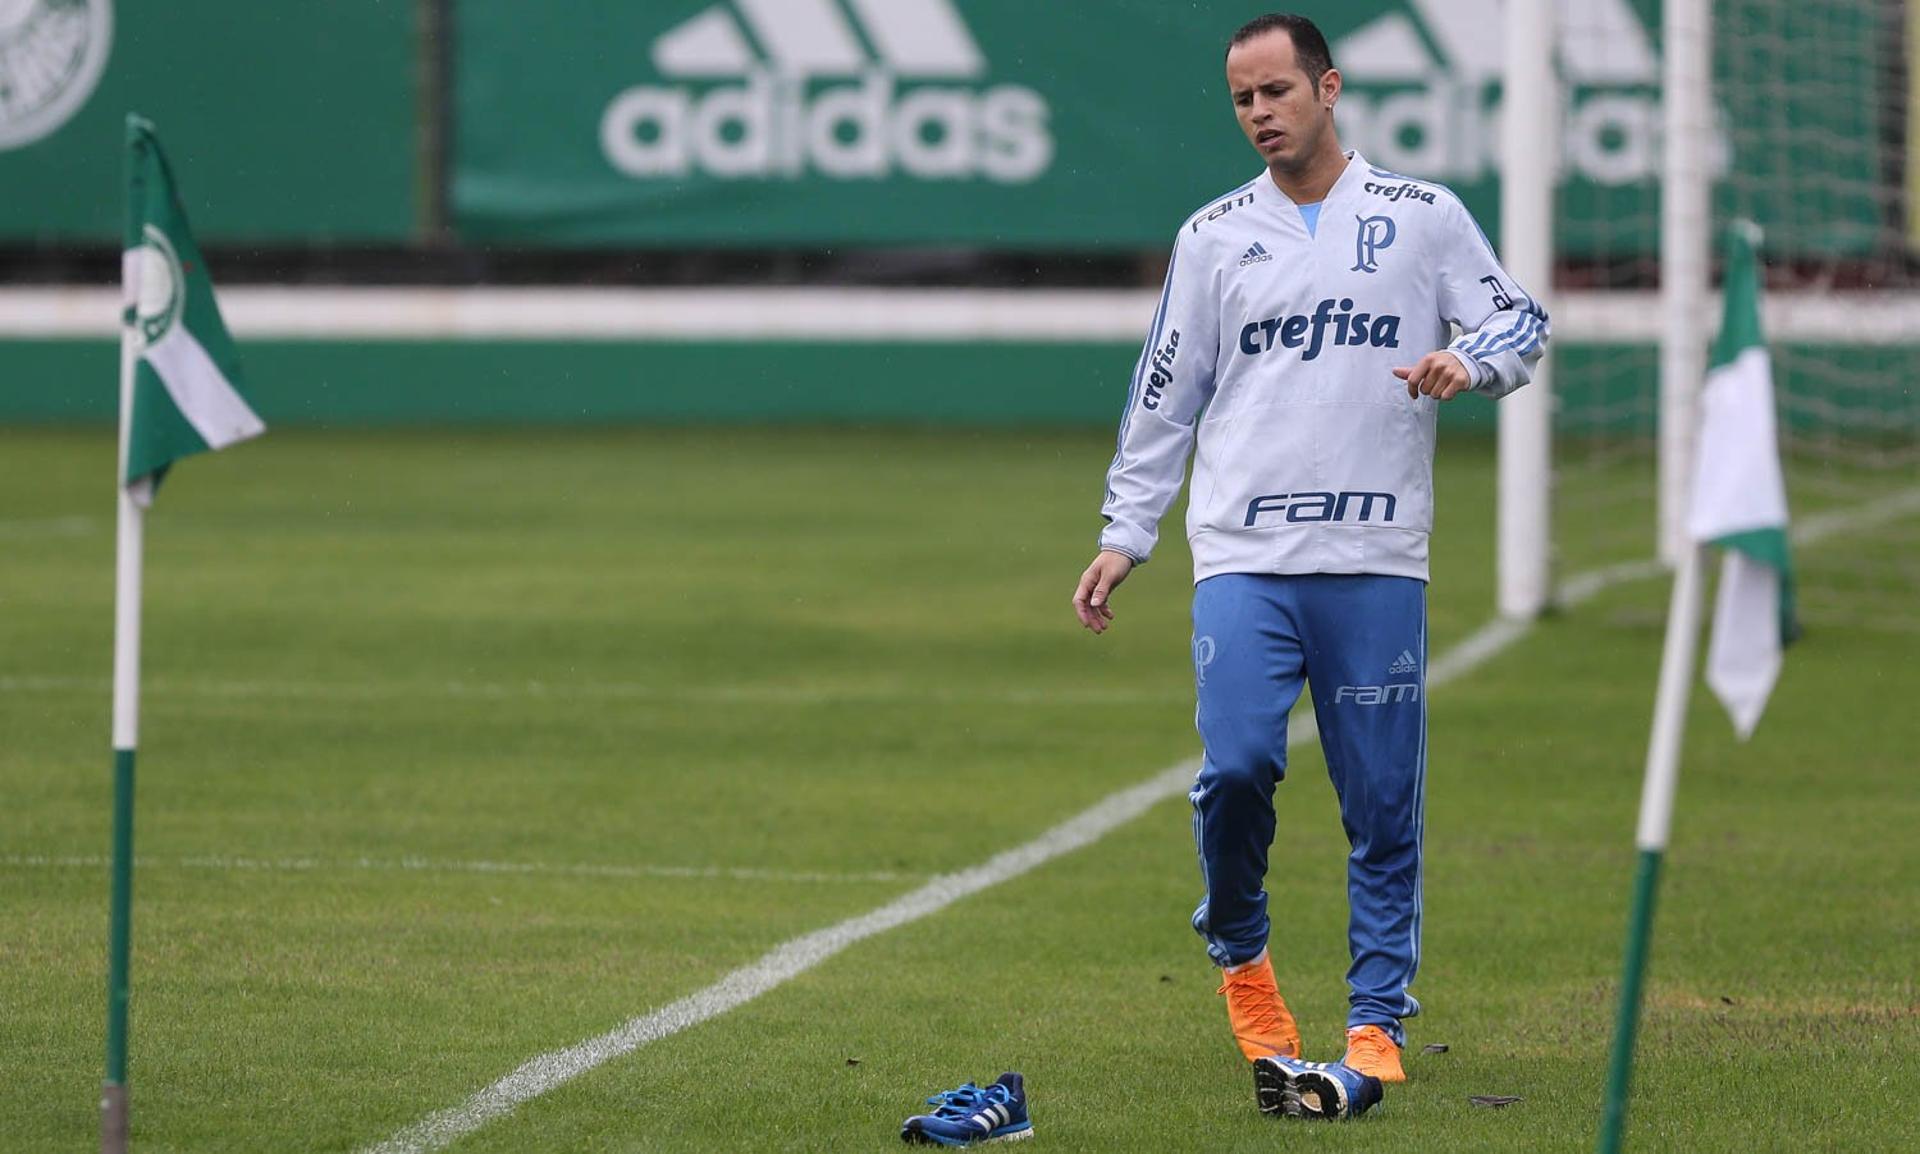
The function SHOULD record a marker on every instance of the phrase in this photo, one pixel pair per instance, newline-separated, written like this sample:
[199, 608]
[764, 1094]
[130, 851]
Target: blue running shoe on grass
[1326, 1090]
[971, 1115]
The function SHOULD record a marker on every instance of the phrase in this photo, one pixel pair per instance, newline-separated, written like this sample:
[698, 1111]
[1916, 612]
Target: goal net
[1812, 118]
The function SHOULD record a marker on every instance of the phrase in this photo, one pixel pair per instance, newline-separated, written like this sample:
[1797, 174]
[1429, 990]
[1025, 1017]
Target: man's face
[1279, 109]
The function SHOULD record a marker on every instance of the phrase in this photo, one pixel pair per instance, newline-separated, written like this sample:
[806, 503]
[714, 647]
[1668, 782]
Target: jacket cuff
[1477, 371]
[1125, 539]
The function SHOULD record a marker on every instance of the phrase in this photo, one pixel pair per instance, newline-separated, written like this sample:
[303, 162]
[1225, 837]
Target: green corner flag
[186, 394]
[179, 396]
[1739, 501]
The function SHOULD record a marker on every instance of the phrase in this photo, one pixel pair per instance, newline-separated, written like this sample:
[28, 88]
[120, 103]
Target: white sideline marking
[1584, 587]
[430, 865]
[1853, 519]
[1473, 651]
[17, 527]
[615, 690]
[1809, 531]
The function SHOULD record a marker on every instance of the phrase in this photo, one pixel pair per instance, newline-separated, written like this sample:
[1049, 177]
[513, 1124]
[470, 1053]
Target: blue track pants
[1360, 642]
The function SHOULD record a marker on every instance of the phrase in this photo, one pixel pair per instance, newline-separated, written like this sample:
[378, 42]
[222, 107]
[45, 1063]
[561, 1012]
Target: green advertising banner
[829, 123]
[290, 122]
[1015, 124]
[1601, 390]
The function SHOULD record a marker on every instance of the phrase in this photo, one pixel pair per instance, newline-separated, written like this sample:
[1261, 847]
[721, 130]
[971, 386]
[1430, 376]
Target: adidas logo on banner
[1255, 255]
[786, 88]
[1433, 113]
[1403, 664]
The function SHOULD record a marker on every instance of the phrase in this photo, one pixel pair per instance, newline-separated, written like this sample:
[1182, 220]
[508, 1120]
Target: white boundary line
[1853, 519]
[836, 314]
[17, 527]
[548, 1071]
[430, 865]
[799, 695]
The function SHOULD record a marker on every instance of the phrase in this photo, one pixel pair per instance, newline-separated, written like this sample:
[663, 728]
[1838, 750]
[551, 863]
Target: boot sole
[1308, 1094]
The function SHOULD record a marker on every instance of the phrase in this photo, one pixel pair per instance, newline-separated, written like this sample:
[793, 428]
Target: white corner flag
[184, 395]
[178, 397]
[1739, 503]
[1740, 500]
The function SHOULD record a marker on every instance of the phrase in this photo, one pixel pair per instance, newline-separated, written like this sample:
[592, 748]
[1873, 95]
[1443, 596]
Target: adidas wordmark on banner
[1413, 109]
[186, 398]
[848, 89]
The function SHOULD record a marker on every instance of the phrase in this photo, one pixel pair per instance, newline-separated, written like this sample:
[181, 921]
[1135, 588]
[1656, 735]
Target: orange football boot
[1370, 1051]
[1261, 1023]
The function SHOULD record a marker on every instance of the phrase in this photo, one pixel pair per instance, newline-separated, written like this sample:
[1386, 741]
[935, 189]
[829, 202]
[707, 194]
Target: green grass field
[459, 748]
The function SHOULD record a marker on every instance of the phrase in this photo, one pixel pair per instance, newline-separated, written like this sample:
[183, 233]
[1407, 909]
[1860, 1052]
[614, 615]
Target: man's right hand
[1091, 601]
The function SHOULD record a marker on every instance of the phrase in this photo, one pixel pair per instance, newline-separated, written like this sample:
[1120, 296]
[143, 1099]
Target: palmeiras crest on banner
[52, 53]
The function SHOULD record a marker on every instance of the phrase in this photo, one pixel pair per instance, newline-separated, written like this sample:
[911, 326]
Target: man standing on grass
[1302, 340]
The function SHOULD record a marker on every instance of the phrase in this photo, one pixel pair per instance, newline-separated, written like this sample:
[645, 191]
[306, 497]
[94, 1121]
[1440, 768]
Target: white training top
[1277, 345]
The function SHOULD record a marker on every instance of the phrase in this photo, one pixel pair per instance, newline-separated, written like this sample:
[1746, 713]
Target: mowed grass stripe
[1574, 591]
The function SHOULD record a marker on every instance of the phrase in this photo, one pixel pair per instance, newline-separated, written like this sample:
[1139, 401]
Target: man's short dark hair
[1309, 45]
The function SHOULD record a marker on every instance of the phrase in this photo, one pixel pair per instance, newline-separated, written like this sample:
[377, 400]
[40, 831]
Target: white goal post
[1530, 110]
[1686, 225]
[1529, 130]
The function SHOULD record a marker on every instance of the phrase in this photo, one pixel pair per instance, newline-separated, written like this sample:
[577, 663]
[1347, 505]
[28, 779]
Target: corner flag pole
[1656, 815]
[131, 525]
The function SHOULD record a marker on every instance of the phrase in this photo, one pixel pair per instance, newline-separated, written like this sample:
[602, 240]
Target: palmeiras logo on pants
[52, 53]
[1204, 651]
[811, 100]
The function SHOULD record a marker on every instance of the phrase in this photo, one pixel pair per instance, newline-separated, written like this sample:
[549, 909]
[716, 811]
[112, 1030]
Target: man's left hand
[1439, 375]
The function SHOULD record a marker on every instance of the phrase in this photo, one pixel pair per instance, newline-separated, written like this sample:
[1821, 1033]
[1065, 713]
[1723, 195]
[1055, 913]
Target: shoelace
[1266, 1015]
[1371, 1045]
[993, 1095]
[958, 1102]
[968, 1099]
